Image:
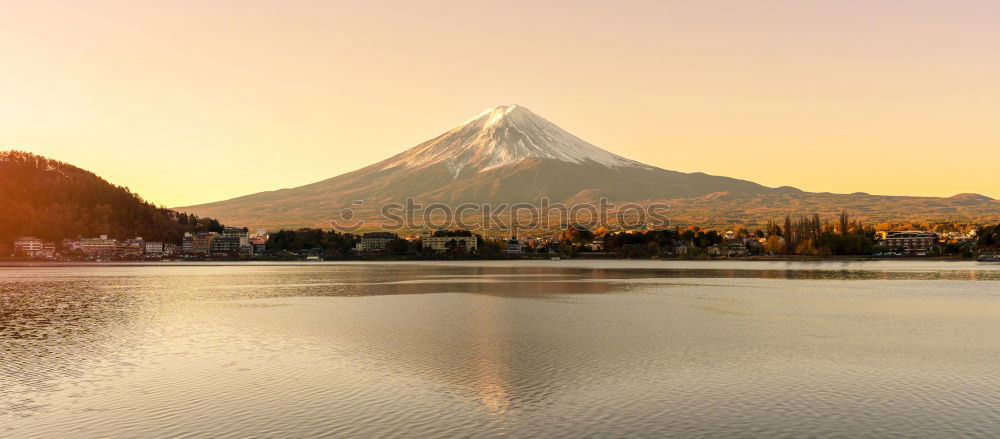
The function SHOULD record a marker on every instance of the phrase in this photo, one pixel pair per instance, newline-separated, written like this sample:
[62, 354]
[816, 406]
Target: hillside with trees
[54, 200]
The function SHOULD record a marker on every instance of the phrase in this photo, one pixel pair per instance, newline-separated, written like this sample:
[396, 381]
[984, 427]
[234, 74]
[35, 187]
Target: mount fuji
[504, 136]
[509, 154]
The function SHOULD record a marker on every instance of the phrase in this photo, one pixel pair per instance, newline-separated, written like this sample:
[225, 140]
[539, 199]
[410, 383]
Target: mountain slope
[510, 155]
[504, 155]
[54, 200]
[503, 136]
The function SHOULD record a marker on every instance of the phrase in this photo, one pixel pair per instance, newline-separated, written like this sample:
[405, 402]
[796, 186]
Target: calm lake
[481, 349]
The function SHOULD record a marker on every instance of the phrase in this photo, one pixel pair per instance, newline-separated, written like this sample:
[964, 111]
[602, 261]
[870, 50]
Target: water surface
[523, 349]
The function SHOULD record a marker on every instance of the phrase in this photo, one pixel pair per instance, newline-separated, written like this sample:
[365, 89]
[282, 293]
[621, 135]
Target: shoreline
[563, 261]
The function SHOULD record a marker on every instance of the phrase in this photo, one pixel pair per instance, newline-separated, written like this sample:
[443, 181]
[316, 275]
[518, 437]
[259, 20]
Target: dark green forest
[54, 200]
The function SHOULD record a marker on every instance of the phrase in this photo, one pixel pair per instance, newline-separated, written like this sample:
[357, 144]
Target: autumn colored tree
[53, 200]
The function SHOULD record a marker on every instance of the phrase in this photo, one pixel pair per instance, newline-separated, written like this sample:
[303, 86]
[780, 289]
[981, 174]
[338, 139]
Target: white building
[153, 248]
[597, 245]
[187, 243]
[440, 243]
[259, 245]
[28, 244]
[33, 247]
[72, 245]
[99, 246]
[513, 246]
[375, 241]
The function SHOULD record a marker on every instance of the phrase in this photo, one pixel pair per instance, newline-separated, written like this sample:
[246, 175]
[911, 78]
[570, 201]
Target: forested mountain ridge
[54, 200]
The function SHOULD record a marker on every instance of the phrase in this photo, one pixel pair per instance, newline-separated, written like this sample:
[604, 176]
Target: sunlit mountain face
[509, 154]
[504, 136]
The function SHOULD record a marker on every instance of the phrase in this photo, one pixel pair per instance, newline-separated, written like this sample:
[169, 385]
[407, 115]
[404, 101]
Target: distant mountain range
[509, 154]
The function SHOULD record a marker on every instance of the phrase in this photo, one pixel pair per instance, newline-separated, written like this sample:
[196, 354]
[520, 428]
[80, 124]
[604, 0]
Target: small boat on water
[988, 258]
[556, 258]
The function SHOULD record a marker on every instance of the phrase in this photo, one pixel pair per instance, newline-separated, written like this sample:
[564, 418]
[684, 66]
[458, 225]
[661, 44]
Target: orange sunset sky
[195, 101]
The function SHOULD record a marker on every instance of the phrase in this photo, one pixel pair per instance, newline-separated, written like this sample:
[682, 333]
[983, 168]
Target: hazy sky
[196, 101]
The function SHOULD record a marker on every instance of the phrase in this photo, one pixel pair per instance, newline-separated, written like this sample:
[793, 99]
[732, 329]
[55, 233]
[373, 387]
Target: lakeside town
[805, 237]
[54, 211]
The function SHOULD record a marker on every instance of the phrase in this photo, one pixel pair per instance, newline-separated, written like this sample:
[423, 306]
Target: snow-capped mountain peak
[509, 155]
[502, 136]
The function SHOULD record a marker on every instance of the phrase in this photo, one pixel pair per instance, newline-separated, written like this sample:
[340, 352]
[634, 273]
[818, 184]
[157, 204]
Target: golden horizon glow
[191, 102]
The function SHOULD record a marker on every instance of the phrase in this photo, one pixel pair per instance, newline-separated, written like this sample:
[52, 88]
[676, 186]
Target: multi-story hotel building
[101, 247]
[375, 241]
[909, 241]
[440, 243]
[201, 243]
[226, 244]
[33, 247]
[153, 248]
